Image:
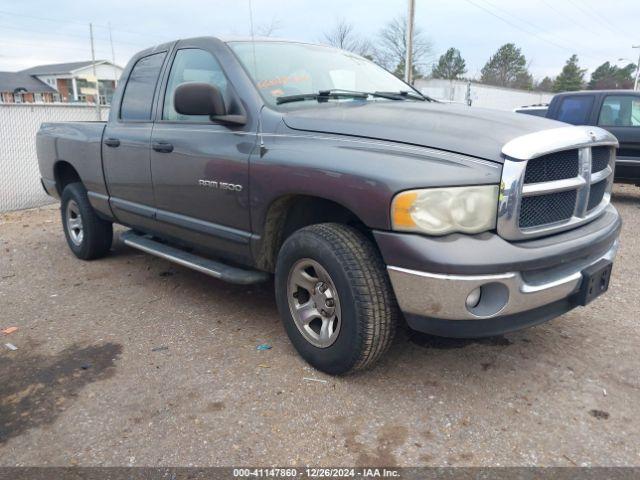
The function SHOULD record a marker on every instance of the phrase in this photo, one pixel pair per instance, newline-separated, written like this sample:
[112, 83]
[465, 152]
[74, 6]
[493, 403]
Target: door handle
[112, 142]
[162, 147]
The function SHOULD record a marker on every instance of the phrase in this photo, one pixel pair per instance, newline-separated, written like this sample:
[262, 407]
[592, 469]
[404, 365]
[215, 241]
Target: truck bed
[79, 144]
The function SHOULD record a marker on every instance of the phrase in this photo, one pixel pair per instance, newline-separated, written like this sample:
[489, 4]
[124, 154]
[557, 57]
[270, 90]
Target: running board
[204, 265]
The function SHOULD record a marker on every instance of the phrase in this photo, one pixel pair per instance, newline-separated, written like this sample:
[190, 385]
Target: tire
[362, 321]
[91, 236]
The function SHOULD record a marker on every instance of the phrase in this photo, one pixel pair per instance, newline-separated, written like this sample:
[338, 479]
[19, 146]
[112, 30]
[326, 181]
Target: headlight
[438, 211]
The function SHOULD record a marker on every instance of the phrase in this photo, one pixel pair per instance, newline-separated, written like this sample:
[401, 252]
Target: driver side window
[192, 65]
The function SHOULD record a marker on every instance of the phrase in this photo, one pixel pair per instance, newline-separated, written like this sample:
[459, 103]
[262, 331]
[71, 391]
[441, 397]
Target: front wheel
[335, 298]
[88, 235]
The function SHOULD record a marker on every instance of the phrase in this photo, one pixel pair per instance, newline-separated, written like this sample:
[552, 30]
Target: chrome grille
[545, 209]
[569, 184]
[600, 157]
[554, 166]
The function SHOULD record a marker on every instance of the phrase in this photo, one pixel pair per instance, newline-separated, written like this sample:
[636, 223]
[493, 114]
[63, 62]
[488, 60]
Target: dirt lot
[131, 360]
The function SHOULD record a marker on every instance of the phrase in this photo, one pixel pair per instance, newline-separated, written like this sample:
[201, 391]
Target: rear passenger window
[138, 93]
[192, 65]
[620, 111]
[575, 110]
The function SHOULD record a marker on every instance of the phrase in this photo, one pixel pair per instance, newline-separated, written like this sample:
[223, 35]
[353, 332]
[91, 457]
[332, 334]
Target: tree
[507, 68]
[608, 76]
[343, 36]
[450, 66]
[544, 85]
[268, 29]
[571, 78]
[392, 47]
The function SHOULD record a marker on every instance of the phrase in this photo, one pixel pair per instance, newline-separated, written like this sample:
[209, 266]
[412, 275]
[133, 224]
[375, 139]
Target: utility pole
[113, 58]
[95, 74]
[635, 85]
[408, 59]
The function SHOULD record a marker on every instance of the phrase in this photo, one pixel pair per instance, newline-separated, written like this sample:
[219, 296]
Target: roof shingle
[12, 81]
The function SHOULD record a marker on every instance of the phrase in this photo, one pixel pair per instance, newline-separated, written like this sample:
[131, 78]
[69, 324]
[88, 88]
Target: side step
[204, 265]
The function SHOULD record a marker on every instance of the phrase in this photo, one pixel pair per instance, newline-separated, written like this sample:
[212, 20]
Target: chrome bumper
[445, 296]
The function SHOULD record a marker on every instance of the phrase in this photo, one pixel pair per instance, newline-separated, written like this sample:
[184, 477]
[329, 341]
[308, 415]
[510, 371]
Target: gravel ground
[131, 360]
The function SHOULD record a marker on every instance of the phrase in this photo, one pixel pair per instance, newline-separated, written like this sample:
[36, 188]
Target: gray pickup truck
[367, 201]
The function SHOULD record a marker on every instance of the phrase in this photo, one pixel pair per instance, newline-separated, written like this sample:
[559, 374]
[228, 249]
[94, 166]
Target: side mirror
[195, 98]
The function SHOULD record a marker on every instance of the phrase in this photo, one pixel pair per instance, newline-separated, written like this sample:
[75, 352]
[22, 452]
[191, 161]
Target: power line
[598, 18]
[65, 34]
[542, 30]
[519, 27]
[77, 22]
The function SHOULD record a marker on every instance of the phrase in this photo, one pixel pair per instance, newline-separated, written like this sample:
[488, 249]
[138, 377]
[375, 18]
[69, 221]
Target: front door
[126, 146]
[620, 114]
[200, 168]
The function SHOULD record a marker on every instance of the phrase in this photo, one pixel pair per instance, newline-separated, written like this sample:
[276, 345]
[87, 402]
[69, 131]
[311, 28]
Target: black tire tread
[374, 294]
[98, 233]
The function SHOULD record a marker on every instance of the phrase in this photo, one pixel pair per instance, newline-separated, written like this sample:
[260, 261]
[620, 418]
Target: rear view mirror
[195, 98]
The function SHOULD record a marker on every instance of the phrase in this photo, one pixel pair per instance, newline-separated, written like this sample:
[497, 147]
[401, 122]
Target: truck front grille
[552, 192]
[546, 209]
[554, 166]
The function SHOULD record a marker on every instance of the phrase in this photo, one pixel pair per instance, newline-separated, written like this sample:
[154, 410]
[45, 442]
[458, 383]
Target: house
[18, 87]
[66, 82]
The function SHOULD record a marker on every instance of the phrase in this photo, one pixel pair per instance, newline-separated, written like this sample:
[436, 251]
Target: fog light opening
[487, 300]
[473, 299]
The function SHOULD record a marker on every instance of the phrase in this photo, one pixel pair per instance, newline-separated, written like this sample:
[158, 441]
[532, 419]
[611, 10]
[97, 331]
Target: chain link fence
[19, 175]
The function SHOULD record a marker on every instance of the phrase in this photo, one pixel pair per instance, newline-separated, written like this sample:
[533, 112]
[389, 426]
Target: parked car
[617, 111]
[538, 110]
[242, 159]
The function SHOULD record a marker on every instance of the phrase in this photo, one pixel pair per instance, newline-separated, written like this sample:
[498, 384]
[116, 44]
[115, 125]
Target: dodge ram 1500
[366, 200]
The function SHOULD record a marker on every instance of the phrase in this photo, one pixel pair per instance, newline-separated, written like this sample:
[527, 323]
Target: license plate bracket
[595, 281]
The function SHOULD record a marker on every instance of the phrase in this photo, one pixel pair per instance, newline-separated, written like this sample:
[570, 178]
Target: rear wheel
[88, 235]
[335, 298]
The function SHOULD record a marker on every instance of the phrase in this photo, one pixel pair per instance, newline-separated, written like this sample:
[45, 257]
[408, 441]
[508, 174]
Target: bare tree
[344, 36]
[393, 48]
[268, 29]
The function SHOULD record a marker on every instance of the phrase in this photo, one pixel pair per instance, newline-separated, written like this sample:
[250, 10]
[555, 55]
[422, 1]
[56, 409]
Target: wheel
[88, 236]
[335, 298]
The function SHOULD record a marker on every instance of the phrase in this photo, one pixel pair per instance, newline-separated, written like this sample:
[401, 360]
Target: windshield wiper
[321, 96]
[403, 95]
[324, 95]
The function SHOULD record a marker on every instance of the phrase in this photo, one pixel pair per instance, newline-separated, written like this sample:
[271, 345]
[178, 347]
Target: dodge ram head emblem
[220, 185]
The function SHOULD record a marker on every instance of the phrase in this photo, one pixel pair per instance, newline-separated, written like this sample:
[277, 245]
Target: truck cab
[617, 111]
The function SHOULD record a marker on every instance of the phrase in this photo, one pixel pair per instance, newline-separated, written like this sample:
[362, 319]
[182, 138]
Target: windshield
[281, 69]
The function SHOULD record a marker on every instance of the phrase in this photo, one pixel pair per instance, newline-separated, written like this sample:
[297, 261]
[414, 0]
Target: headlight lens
[438, 211]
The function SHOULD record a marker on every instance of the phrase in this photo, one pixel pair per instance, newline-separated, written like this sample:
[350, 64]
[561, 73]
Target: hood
[466, 130]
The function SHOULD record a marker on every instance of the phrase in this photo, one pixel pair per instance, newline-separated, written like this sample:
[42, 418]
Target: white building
[75, 82]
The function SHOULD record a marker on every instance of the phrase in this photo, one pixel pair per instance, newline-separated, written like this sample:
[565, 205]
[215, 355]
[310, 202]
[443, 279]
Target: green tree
[450, 66]
[571, 78]
[507, 68]
[544, 85]
[608, 76]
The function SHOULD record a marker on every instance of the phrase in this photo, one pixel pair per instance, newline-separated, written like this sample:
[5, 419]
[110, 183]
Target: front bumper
[534, 290]
[444, 296]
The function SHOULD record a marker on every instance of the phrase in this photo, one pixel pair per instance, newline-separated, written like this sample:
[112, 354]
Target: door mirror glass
[196, 98]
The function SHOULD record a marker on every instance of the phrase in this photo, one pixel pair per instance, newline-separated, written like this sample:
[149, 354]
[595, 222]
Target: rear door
[199, 167]
[126, 145]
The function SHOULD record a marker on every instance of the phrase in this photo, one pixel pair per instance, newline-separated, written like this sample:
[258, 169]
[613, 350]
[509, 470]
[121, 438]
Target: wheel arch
[64, 173]
[289, 213]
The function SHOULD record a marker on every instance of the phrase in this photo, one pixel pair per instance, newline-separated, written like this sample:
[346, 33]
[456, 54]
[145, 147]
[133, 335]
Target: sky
[34, 32]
